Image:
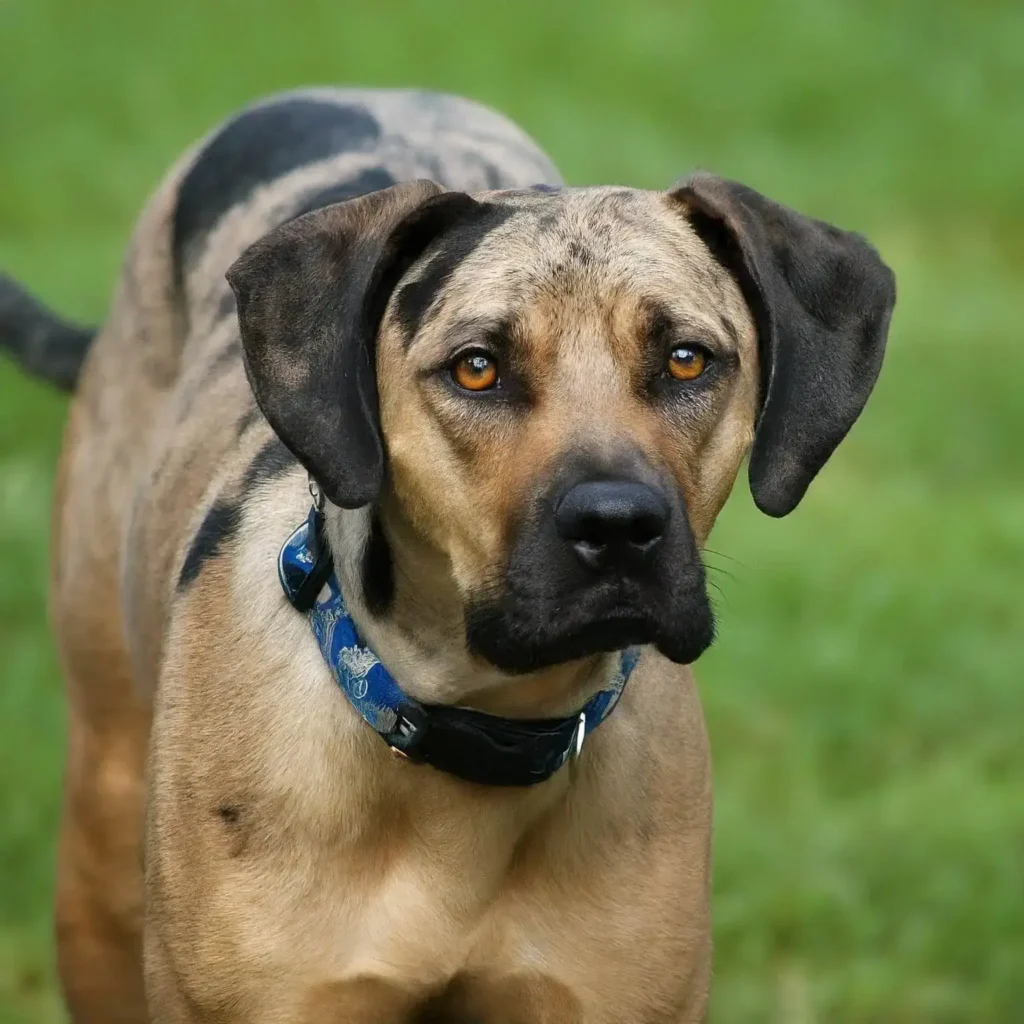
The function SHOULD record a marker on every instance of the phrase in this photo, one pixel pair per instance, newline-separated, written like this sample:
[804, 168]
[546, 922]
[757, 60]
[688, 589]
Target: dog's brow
[502, 336]
[664, 325]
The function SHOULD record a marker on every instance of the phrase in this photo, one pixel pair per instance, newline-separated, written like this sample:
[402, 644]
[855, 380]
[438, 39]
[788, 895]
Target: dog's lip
[618, 617]
[638, 622]
[621, 592]
[595, 637]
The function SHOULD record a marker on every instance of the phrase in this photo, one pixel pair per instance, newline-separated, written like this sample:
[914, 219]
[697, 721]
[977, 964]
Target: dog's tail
[43, 343]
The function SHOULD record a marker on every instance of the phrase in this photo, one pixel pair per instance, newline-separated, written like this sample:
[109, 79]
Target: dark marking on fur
[719, 240]
[236, 827]
[659, 332]
[229, 813]
[492, 175]
[580, 253]
[550, 220]
[258, 146]
[660, 326]
[371, 180]
[220, 524]
[415, 299]
[273, 460]
[378, 574]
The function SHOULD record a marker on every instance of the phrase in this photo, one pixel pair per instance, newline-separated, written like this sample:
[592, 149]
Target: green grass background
[866, 698]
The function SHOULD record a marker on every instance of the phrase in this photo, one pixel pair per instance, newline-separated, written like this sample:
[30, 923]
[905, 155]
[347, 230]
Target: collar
[472, 745]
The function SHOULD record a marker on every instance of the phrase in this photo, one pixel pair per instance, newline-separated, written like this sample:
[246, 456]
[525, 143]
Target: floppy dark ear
[311, 295]
[821, 300]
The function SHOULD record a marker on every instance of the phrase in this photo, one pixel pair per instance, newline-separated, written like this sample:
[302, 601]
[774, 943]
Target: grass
[865, 700]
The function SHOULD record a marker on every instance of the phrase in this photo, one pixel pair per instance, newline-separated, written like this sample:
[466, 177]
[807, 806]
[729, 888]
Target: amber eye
[475, 371]
[685, 363]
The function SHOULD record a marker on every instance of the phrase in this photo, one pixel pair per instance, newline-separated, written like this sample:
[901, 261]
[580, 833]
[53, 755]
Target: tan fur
[295, 870]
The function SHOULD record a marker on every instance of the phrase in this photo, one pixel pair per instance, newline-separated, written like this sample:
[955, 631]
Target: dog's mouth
[518, 633]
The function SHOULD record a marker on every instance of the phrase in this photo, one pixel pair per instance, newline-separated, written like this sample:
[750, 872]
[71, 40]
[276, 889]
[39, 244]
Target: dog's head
[553, 390]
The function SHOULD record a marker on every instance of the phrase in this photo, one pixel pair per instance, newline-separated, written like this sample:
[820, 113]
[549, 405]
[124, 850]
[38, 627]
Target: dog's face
[568, 385]
[554, 391]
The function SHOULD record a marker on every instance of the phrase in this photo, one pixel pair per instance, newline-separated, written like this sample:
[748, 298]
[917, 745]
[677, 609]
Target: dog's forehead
[612, 221]
[601, 238]
[594, 245]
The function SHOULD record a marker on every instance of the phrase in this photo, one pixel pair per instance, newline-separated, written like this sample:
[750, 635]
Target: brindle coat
[237, 845]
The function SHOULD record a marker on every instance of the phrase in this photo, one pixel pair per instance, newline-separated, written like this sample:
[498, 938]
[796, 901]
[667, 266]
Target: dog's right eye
[475, 371]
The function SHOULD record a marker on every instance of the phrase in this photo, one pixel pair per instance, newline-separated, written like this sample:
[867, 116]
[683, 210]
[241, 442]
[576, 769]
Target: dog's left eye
[475, 371]
[687, 362]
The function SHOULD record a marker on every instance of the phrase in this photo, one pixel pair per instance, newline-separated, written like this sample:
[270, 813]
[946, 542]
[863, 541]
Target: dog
[377, 566]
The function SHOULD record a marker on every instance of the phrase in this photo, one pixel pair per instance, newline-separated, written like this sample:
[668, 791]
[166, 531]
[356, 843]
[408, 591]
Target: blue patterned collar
[474, 746]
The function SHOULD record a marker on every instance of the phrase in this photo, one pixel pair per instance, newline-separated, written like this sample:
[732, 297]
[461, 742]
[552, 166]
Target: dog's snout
[612, 524]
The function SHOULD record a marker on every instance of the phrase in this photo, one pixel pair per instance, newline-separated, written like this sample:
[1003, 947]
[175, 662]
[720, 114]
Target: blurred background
[866, 698]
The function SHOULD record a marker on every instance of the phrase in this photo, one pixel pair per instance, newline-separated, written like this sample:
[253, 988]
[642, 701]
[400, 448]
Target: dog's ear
[311, 295]
[821, 300]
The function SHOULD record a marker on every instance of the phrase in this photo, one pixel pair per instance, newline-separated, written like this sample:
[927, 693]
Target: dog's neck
[421, 638]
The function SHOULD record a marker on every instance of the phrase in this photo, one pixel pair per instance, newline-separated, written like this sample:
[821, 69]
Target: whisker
[718, 569]
[720, 600]
[722, 554]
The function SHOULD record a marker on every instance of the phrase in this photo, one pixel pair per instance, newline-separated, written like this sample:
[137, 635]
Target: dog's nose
[612, 524]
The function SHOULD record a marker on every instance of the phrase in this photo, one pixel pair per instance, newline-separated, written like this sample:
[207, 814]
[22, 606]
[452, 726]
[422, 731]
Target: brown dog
[522, 411]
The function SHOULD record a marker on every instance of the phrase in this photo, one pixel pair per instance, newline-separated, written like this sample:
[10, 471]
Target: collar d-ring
[319, 501]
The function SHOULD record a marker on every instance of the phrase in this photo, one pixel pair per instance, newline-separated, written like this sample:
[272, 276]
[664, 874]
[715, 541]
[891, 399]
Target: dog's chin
[518, 637]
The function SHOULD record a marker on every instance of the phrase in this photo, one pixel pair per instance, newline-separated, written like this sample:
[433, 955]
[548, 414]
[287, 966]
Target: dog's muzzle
[601, 562]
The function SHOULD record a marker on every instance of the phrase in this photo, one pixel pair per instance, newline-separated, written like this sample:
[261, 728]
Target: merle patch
[258, 146]
[218, 527]
[416, 298]
[373, 179]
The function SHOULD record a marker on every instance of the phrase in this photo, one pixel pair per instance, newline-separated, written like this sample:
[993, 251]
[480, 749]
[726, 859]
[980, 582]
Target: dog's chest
[541, 955]
[448, 981]
[415, 942]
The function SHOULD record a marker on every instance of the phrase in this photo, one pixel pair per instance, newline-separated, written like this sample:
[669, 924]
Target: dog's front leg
[359, 1001]
[98, 904]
